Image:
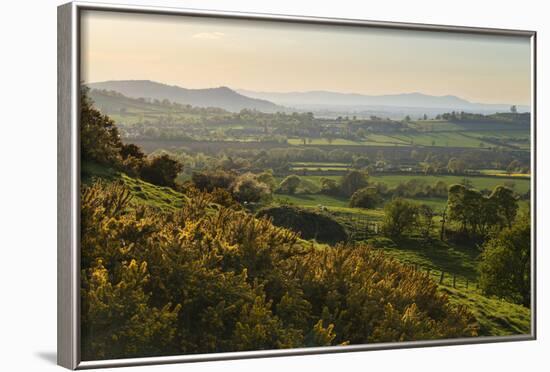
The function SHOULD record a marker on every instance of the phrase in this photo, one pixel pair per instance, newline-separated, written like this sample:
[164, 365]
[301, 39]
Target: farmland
[520, 184]
[435, 138]
[394, 186]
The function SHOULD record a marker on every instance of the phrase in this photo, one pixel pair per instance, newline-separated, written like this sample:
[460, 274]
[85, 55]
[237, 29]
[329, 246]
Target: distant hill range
[407, 103]
[221, 97]
[322, 103]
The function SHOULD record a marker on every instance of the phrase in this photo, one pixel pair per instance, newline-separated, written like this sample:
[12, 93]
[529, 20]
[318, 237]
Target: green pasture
[519, 184]
[378, 140]
[495, 316]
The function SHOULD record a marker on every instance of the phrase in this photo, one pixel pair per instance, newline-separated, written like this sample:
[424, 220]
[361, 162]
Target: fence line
[362, 227]
[443, 277]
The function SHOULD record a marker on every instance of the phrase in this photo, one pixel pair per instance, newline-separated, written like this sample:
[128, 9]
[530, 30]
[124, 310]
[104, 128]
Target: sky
[200, 52]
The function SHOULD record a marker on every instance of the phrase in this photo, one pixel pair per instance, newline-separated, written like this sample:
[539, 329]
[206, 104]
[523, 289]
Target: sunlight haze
[194, 52]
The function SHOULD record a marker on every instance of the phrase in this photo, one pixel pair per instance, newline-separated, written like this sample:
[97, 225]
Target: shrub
[210, 180]
[399, 217]
[289, 185]
[224, 198]
[353, 181]
[425, 220]
[207, 279]
[161, 170]
[329, 187]
[366, 197]
[247, 188]
[268, 179]
[133, 159]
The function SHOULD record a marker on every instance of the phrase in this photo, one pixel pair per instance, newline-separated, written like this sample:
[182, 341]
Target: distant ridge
[353, 101]
[222, 97]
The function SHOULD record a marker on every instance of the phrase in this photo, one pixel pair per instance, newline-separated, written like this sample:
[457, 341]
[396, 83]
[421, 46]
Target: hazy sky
[197, 52]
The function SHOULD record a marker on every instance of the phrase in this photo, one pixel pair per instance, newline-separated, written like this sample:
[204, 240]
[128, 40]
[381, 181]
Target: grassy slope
[496, 317]
[131, 111]
[164, 198]
[143, 192]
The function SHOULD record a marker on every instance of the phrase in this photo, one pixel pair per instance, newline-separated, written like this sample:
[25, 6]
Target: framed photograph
[236, 185]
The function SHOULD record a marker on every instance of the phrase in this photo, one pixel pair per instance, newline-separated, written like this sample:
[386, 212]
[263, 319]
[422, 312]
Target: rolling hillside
[221, 97]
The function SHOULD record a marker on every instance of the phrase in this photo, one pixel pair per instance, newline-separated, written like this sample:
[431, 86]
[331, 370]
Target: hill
[412, 103]
[116, 104]
[221, 97]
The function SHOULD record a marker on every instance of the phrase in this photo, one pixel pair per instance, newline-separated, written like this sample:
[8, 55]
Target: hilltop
[221, 97]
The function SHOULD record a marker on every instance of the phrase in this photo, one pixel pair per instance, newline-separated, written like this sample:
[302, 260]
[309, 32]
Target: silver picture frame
[68, 184]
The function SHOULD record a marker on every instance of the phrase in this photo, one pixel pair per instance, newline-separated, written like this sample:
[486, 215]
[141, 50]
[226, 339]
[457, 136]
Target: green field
[342, 204]
[312, 200]
[445, 139]
[323, 169]
[519, 184]
[446, 135]
[377, 140]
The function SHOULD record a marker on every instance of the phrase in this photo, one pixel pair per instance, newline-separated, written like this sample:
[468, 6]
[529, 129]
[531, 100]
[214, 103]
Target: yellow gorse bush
[211, 279]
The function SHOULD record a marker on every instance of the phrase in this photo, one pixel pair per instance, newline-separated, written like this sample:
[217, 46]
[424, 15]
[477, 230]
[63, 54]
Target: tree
[464, 207]
[267, 178]
[505, 264]
[133, 159]
[361, 161]
[425, 220]
[456, 166]
[399, 217]
[353, 181]
[366, 197]
[513, 166]
[161, 170]
[361, 133]
[506, 205]
[210, 180]
[329, 186]
[477, 214]
[248, 189]
[99, 137]
[131, 150]
[290, 184]
[513, 109]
